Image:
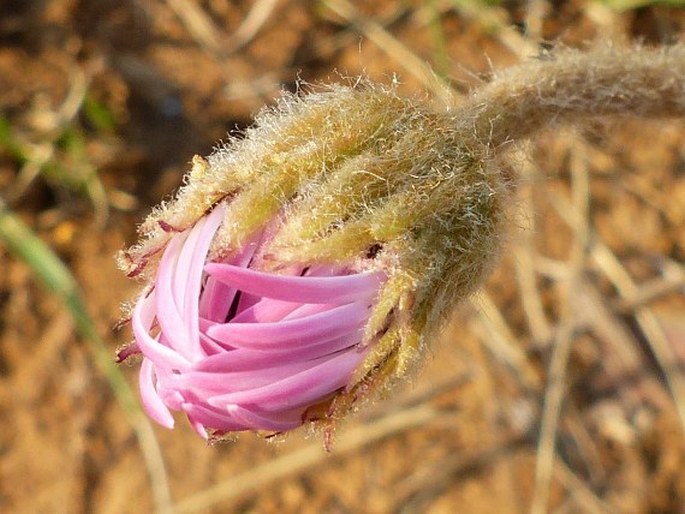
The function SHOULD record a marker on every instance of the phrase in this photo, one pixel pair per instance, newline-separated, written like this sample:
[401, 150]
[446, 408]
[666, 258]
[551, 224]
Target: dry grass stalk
[561, 349]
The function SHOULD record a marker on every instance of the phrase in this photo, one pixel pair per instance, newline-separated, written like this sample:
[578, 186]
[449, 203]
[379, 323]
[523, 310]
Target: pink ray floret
[236, 348]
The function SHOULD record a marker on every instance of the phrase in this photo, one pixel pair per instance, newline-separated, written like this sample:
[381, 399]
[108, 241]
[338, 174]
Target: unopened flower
[298, 268]
[301, 267]
[401, 204]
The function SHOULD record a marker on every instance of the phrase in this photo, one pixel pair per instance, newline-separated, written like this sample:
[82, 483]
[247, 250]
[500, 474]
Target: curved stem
[568, 85]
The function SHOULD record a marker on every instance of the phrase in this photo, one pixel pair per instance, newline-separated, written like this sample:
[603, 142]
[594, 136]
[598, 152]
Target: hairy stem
[568, 85]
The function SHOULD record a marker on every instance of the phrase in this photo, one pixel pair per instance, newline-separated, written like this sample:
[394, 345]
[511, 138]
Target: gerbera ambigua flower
[300, 267]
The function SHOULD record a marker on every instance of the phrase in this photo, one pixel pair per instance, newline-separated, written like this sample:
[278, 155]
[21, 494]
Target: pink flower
[236, 348]
[303, 267]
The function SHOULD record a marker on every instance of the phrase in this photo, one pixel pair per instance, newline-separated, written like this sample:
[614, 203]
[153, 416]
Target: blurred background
[557, 389]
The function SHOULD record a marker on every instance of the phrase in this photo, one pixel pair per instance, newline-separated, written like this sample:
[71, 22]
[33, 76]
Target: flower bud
[301, 267]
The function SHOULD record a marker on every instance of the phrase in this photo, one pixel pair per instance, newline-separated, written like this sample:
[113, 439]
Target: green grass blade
[56, 277]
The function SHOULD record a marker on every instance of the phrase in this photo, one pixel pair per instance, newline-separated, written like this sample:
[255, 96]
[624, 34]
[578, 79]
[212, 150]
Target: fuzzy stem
[568, 85]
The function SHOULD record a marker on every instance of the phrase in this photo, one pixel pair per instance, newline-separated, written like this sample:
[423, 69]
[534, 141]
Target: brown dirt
[462, 435]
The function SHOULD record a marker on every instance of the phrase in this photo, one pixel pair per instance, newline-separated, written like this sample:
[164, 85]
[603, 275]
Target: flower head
[299, 267]
[236, 348]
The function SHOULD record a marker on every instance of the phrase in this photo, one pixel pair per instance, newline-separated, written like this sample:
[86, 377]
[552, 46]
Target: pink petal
[167, 389]
[152, 403]
[298, 390]
[266, 310]
[199, 242]
[217, 297]
[216, 300]
[179, 280]
[141, 321]
[246, 360]
[338, 290]
[199, 428]
[210, 346]
[309, 330]
[168, 306]
[217, 419]
[207, 383]
[264, 421]
[309, 309]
